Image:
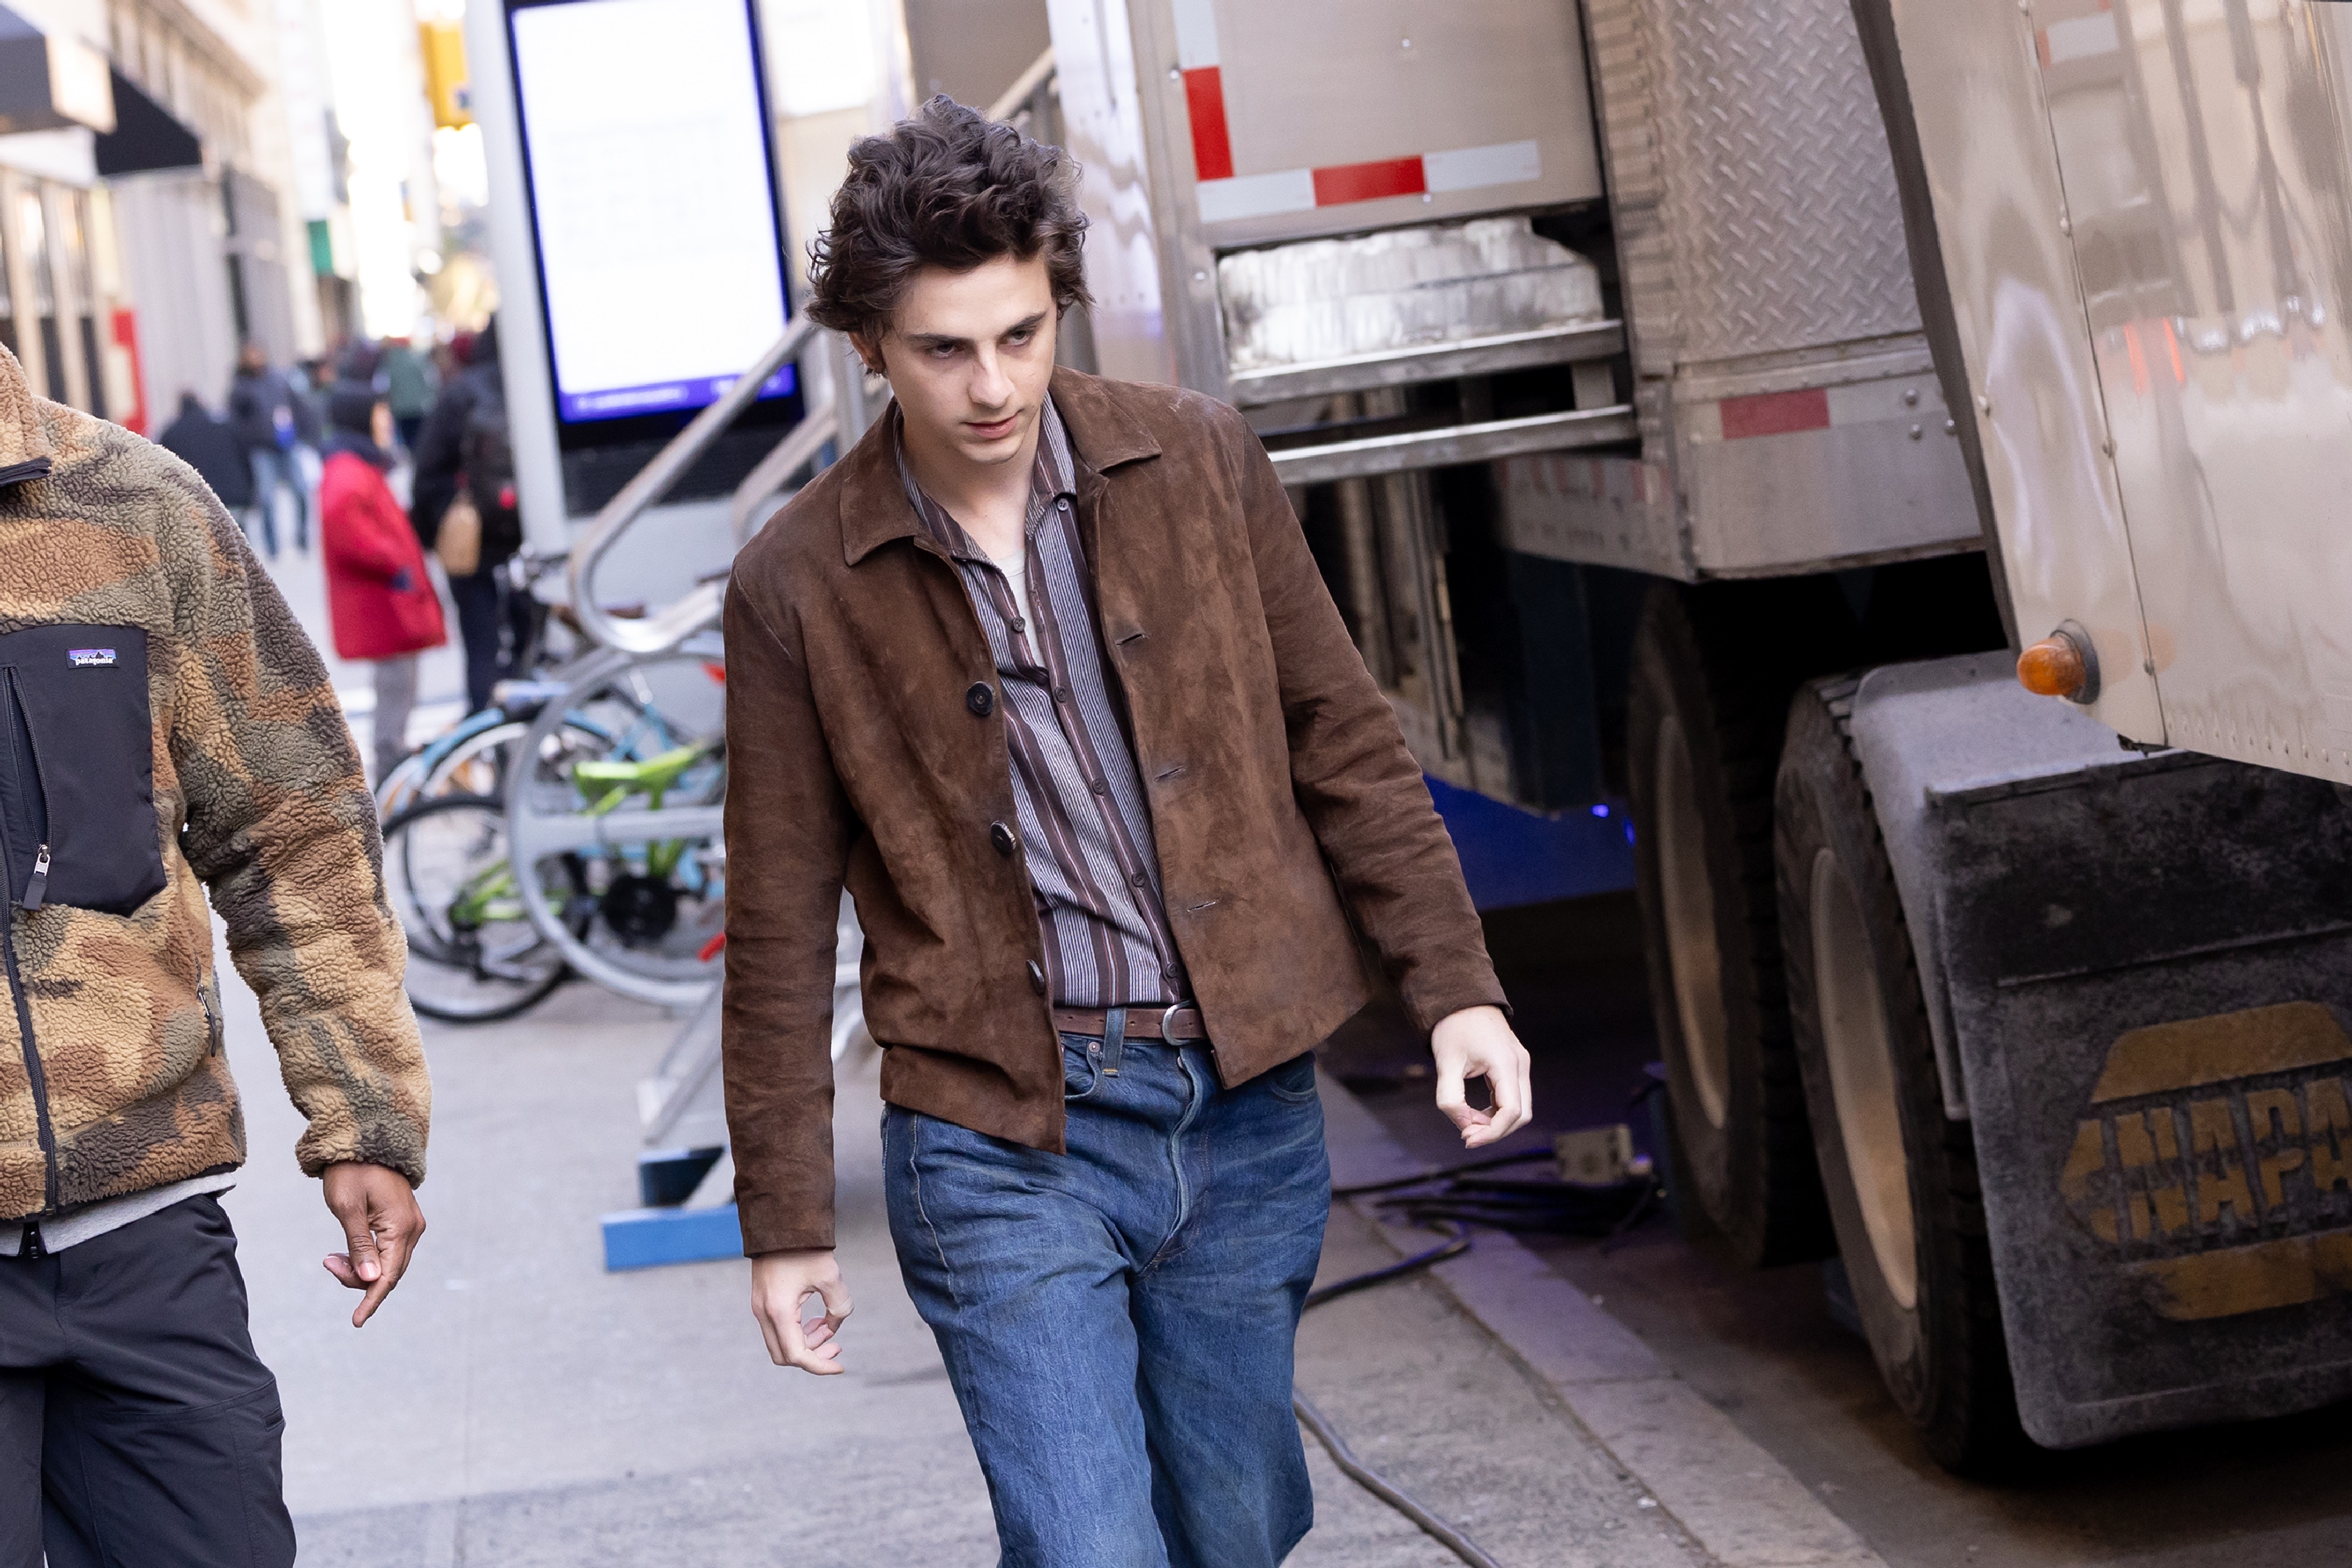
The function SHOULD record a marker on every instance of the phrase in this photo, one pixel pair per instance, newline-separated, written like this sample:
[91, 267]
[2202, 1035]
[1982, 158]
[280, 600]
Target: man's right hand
[781, 1283]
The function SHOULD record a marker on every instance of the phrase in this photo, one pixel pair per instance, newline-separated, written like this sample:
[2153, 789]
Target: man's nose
[991, 387]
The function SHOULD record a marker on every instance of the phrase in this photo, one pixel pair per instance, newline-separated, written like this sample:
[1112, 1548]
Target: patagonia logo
[91, 657]
[2215, 1160]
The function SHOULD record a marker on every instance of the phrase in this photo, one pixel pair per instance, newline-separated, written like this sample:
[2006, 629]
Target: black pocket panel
[78, 767]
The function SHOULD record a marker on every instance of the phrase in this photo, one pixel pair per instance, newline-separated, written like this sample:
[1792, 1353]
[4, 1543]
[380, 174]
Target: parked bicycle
[610, 749]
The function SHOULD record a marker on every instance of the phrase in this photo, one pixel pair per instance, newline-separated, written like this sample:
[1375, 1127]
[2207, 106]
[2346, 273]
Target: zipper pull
[36, 889]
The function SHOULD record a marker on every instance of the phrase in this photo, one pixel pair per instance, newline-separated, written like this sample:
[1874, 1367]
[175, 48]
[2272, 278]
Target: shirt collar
[1052, 475]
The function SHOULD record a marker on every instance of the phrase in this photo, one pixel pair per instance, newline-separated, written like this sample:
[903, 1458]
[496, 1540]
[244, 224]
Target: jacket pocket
[77, 769]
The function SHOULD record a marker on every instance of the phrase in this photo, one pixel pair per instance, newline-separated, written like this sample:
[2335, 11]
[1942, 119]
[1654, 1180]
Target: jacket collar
[26, 452]
[874, 508]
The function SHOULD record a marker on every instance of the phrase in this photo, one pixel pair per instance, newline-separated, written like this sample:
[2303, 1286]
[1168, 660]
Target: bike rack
[664, 629]
[535, 833]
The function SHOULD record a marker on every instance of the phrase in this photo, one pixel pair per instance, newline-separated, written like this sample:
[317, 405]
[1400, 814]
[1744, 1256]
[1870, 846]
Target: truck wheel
[1901, 1176]
[1702, 739]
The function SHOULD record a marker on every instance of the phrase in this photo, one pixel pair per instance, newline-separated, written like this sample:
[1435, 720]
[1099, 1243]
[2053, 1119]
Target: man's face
[969, 355]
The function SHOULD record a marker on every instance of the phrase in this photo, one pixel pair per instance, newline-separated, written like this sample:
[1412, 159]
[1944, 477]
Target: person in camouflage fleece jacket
[165, 729]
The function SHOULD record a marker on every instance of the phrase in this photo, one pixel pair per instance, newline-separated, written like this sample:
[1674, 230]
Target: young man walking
[165, 728]
[1044, 670]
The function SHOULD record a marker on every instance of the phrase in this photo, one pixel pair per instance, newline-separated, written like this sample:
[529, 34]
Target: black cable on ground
[1355, 1470]
[1548, 1208]
[1489, 1162]
[1445, 1535]
[1507, 1204]
[1454, 1248]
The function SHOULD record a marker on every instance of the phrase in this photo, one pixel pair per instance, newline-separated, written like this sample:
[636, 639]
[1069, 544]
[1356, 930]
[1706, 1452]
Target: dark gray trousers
[137, 1428]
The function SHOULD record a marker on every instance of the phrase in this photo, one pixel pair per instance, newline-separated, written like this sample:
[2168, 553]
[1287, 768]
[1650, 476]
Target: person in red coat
[380, 598]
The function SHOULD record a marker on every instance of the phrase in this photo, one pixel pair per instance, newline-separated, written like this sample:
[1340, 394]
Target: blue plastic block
[647, 1239]
[1511, 856]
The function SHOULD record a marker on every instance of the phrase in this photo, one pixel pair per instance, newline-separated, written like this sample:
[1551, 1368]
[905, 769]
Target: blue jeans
[1118, 1323]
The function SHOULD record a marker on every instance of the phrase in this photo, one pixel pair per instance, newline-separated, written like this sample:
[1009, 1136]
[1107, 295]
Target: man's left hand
[378, 1212]
[1477, 1042]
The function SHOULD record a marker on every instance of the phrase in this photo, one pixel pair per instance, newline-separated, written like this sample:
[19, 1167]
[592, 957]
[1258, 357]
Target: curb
[1739, 1503]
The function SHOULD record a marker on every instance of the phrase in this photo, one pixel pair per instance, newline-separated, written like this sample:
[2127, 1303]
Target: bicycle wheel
[641, 867]
[474, 957]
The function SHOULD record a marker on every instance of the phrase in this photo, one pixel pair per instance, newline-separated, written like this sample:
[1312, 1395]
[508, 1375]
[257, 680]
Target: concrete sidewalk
[516, 1406]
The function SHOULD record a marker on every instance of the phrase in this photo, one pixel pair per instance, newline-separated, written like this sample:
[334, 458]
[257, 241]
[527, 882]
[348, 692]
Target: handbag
[458, 542]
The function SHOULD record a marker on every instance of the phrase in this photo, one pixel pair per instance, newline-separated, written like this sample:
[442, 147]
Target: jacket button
[1036, 978]
[1001, 836]
[980, 699]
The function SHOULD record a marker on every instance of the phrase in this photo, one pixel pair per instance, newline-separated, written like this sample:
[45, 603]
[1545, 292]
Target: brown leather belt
[1180, 1023]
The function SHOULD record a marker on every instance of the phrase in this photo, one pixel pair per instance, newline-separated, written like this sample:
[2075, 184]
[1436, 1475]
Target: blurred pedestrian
[261, 410]
[409, 387]
[380, 598]
[466, 455]
[357, 358]
[203, 440]
[307, 383]
[176, 755]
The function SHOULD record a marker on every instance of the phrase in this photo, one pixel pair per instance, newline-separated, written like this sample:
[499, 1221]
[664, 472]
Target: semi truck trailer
[1902, 450]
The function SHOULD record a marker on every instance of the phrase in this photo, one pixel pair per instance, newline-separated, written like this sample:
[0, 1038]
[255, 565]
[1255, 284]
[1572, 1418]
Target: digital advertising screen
[653, 199]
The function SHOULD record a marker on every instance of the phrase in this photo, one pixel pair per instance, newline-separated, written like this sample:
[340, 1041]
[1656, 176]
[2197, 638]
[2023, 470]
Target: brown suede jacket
[1280, 790]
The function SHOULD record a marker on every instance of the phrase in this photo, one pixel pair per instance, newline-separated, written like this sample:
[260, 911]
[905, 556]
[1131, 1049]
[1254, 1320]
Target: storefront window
[7, 291]
[74, 218]
[32, 228]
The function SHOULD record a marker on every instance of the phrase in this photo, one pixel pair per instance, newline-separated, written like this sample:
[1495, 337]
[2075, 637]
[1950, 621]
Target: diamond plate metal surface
[1746, 142]
[1619, 33]
[1782, 206]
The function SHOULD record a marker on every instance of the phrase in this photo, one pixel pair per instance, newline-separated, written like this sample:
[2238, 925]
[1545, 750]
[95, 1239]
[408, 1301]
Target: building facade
[144, 230]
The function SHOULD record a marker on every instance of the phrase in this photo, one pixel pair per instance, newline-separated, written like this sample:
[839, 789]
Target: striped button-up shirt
[1085, 830]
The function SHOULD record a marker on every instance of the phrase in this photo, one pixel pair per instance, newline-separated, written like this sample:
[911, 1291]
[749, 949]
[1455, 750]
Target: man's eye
[1017, 338]
[943, 351]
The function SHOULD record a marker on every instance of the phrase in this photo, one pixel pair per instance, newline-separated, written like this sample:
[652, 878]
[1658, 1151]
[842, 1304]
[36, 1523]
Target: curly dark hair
[947, 188]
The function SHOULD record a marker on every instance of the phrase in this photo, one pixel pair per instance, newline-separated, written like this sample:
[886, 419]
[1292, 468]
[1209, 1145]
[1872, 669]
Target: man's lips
[991, 432]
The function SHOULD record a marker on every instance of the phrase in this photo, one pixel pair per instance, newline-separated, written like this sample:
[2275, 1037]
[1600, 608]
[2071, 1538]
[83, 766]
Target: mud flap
[2147, 966]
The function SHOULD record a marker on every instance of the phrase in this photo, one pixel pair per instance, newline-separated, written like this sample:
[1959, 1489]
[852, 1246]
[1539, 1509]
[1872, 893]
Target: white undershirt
[93, 1220]
[1015, 568]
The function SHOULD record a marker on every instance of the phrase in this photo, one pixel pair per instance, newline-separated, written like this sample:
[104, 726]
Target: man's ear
[869, 353]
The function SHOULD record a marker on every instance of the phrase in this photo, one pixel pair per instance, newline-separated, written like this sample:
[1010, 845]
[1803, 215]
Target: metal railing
[1014, 99]
[674, 623]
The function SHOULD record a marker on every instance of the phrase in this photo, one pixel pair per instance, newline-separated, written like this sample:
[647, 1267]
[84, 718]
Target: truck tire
[1703, 742]
[1901, 1176]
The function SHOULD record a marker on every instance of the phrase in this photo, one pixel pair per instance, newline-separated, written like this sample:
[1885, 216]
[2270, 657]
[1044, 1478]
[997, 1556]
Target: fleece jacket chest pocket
[77, 769]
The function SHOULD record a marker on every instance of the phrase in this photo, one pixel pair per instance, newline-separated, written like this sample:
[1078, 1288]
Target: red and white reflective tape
[1912, 398]
[2082, 38]
[1226, 196]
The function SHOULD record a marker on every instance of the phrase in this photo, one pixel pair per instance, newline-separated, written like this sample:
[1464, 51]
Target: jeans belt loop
[1114, 1039]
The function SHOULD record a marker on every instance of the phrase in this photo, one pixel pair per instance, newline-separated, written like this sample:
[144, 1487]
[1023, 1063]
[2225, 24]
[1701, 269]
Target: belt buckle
[1168, 1022]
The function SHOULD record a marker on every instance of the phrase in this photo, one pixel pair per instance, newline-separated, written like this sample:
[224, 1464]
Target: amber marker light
[2059, 664]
